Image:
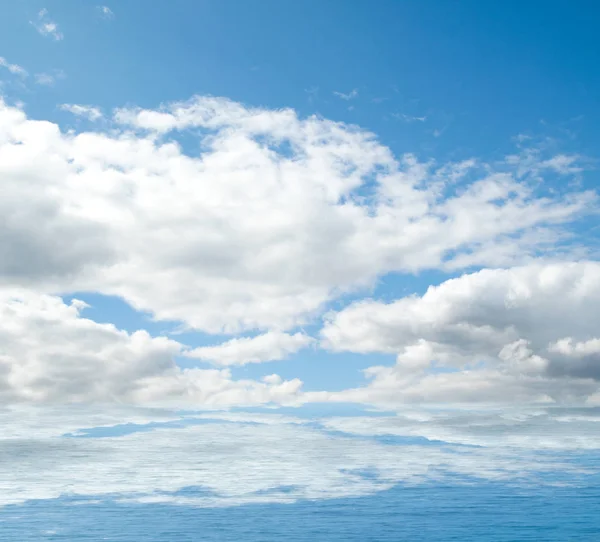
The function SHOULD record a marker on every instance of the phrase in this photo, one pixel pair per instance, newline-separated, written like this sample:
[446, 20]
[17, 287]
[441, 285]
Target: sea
[258, 477]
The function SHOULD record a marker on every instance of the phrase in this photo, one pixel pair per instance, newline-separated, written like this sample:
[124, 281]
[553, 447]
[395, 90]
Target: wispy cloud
[46, 27]
[350, 96]
[13, 68]
[86, 111]
[531, 163]
[49, 79]
[563, 164]
[105, 12]
[313, 93]
[408, 118]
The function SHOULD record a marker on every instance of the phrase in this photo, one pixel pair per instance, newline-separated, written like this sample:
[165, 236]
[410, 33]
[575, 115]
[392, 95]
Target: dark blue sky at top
[481, 72]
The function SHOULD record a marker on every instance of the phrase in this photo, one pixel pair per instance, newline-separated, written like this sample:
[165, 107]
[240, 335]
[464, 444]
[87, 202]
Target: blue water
[185, 479]
[484, 511]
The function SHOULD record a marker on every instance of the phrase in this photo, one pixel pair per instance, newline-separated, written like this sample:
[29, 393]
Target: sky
[233, 204]
[321, 254]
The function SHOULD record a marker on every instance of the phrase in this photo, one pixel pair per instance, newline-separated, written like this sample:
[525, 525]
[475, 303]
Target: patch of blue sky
[317, 368]
[105, 309]
[393, 286]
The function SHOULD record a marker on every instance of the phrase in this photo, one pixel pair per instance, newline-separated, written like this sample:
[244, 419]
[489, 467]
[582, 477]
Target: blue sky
[513, 88]
[481, 72]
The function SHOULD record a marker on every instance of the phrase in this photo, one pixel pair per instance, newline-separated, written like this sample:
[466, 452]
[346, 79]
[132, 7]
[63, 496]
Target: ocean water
[486, 512]
[256, 477]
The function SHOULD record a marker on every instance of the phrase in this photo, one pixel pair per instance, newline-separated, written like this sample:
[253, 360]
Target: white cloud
[270, 346]
[46, 27]
[49, 79]
[409, 118]
[13, 68]
[562, 163]
[269, 460]
[529, 160]
[349, 96]
[45, 79]
[495, 336]
[87, 111]
[50, 354]
[568, 347]
[276, 217]
[262, 229]
[105, 12]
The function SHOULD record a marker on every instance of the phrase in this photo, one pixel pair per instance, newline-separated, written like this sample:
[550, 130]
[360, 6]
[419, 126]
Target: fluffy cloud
[50, 354]
[522, 334]
[270, 346]
[261, 225]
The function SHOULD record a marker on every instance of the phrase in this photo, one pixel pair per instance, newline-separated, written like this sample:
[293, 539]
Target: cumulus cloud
[51, 354]
[498, 335]
[46, 27]
[270, 346]
[272, 219]
[577, 349]
[276, 216]
[87, 111]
